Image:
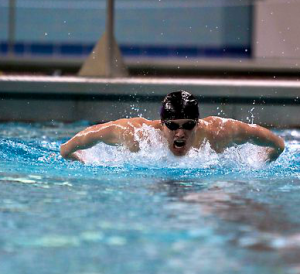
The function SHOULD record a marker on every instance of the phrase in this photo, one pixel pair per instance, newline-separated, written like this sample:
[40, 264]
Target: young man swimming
[181, 127]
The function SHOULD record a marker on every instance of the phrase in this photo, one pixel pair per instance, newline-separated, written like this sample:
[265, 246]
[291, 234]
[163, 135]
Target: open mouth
[179, 143]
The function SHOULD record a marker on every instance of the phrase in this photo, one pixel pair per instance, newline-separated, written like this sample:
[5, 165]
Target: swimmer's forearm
[68, 150]
[268, 139]
[111, 133]
[259, 136]
[106, 133]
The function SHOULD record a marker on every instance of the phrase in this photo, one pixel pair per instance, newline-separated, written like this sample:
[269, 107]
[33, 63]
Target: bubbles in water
[251, 118]
[134, 108]
[221, 112]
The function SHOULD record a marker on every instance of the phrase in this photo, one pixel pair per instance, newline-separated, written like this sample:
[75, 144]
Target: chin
[179, 152]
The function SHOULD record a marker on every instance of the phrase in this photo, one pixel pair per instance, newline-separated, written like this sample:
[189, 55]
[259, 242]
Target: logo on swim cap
[179, 105]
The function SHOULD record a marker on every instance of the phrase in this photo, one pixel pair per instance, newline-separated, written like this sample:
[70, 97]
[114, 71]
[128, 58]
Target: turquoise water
[147, 212]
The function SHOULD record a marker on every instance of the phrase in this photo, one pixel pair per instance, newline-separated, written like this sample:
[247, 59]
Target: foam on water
[153, 158]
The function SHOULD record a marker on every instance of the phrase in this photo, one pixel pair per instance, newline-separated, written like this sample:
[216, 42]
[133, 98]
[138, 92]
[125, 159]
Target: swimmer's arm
[109, 133]
[260, 136]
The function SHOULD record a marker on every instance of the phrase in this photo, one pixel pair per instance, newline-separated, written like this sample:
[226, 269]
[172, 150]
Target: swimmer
[182, 129]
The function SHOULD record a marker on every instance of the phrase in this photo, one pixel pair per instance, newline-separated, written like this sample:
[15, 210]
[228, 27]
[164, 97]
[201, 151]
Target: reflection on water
[260, 226]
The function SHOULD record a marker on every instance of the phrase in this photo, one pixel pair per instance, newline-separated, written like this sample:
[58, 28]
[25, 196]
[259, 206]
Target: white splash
[154, 153]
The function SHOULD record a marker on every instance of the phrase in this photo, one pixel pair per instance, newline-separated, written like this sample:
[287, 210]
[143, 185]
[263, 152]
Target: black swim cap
[179, 105]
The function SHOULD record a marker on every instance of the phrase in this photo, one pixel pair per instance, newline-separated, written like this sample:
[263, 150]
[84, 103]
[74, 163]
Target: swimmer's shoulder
[138, 122]
[214, 125]
[213, 121]
[208, 123]
[217, 131]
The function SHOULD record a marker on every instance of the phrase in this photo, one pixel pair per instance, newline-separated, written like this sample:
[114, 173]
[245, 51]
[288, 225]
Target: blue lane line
[82, 50]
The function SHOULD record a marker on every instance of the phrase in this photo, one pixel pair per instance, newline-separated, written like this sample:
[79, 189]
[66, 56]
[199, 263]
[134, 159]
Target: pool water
[147, 212]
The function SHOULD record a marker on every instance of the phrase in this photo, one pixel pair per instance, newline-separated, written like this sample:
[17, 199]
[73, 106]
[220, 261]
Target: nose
[180, 133]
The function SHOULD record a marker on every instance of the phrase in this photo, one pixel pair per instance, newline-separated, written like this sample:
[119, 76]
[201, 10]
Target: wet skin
[218, 132]
[181, 140]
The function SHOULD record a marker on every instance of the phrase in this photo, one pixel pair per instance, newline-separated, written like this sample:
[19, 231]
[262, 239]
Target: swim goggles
[189, 125]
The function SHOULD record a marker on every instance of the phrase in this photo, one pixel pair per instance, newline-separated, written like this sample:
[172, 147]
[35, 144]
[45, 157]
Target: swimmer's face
[180, 135]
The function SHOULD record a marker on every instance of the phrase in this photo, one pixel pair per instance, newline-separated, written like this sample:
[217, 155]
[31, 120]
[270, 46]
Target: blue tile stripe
[82, 50]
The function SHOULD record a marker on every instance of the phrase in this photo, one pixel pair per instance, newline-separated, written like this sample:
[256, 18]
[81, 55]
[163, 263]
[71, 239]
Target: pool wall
[271, 103]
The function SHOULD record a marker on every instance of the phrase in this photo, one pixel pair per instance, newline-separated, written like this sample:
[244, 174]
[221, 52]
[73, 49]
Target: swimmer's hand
[272, 154]
[78, 156]
[75, 156]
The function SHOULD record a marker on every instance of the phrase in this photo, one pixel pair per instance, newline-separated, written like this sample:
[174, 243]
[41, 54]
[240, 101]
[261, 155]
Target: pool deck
[68, 99]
